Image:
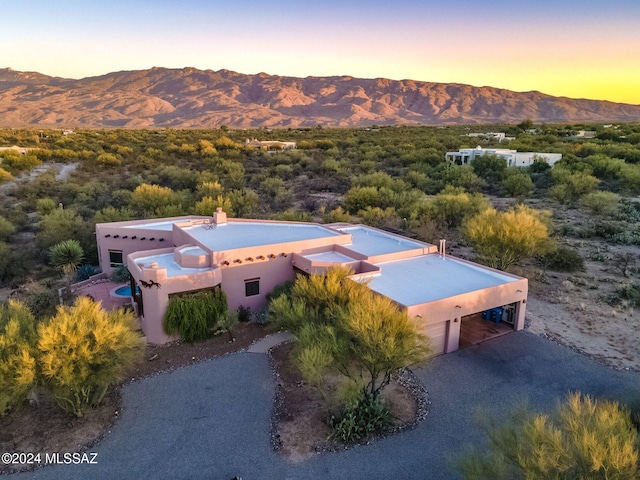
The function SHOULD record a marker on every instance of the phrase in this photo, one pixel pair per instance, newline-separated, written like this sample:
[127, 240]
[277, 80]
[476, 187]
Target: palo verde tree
[344, 328]
[583, 439]
[502, 239]
[83, 350]
[17, 355]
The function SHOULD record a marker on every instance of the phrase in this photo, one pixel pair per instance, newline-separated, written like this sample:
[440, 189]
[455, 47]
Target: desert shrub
[563, 259]
[17, 355]
[85, 271]
[516, 183]
[195, 316]
[452, 205]
[42, 304]
[377, 217]
[367, 416]
[121, 274]
[629, 294]
[83, 350]
[502, 239]
[6, 228]
[282, 288]
[44, 206]
[5, 176]
[570, 187]
[629, 211]
[582, 439]
[244, 314]
[601, 203]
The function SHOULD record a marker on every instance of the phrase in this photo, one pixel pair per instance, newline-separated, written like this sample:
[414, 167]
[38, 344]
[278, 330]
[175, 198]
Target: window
[252, 287]
[115, 257]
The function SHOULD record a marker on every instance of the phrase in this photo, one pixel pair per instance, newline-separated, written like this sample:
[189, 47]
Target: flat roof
[370, 242]
[164, 226]
[426, 278]
[329, 257]
[234, 235]
[166, 260]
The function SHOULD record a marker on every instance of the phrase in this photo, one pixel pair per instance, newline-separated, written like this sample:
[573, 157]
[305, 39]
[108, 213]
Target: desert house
[270, 145]
[15, 148]
[249, 258]
[465, 156]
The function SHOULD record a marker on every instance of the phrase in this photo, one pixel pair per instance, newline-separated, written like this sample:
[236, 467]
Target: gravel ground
[212, 420]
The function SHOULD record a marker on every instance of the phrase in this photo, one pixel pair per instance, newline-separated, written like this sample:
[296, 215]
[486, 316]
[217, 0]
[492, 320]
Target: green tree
[517, 183]
[147, 198]
[83, 350]
[18, 376]
[582, 439]
[61, 224]
[452, 205]
[343, 327]
[490, 167]
[502, 239]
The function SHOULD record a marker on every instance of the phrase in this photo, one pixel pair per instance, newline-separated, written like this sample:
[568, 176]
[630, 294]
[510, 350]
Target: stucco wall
[271, 273]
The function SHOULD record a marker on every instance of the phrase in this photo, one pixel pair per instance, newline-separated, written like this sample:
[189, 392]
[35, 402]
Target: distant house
[499, 136]
[15, 148]
[465, 156]
[247, 259]
[270, 145]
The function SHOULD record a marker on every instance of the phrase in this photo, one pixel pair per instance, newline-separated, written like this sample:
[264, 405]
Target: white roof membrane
[252, 234]
[166, 260]
[370, 242]
[431, 277]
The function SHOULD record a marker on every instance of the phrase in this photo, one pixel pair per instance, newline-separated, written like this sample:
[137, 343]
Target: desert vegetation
[75, 356]
[582, 439]
[345, 330]
[582, 259]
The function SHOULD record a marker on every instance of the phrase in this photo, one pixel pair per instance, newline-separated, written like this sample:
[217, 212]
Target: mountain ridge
[193, 98]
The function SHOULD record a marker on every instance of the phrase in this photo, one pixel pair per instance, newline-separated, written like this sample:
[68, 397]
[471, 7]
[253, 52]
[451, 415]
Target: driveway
[211, 421]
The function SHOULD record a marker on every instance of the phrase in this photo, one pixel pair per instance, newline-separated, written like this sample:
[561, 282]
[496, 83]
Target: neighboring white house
[465, 156]
[268, 145]
[499, 136]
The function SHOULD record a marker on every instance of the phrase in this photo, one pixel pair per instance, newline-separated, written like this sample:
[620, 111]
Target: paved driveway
[211, 421]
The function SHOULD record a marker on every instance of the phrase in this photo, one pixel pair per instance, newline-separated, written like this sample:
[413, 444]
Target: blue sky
[586, 49]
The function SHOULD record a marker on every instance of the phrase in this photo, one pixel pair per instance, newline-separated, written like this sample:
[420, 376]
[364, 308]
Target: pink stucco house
[248, 258]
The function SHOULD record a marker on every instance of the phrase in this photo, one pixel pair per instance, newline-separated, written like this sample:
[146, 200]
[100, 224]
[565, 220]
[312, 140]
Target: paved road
[211, 421]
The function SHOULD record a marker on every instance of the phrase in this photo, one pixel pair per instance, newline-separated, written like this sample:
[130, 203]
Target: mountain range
[192, 98]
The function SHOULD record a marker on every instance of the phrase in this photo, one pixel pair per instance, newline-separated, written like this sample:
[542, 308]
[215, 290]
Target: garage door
[438, 335]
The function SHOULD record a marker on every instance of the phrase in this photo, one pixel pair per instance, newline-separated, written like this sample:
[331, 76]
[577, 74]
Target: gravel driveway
[211, 421]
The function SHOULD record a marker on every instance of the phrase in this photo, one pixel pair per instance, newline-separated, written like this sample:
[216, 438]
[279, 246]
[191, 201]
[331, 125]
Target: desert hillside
[191, 98]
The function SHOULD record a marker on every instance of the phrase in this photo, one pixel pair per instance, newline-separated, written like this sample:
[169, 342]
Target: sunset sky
[578, 49]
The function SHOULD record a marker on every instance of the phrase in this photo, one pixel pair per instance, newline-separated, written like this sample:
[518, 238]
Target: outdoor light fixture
[143, 238]
[125, 236]
[261, 257]
[107, 235]
[250, 259]
[133, 237]
[152, 238]
[271, 255]
[116, 236]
